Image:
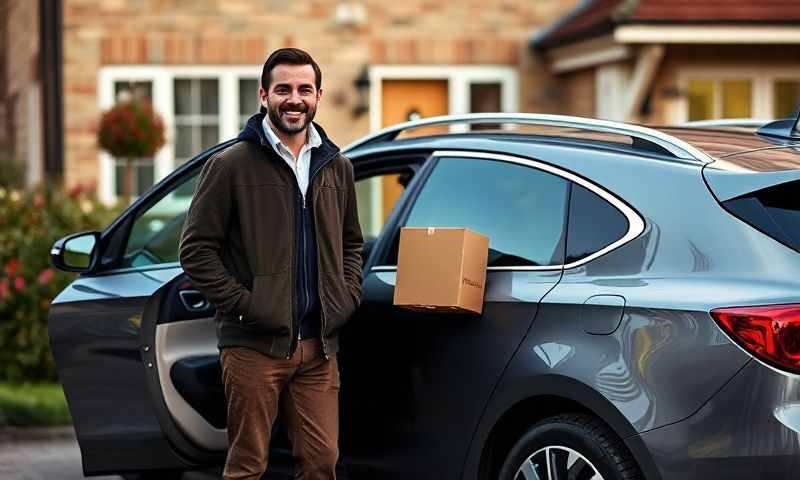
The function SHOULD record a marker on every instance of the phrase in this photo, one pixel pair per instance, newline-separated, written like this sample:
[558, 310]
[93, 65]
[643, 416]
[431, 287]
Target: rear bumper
[749, 429]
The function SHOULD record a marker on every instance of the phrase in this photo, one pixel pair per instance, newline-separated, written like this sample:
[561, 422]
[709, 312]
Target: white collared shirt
[301, 166]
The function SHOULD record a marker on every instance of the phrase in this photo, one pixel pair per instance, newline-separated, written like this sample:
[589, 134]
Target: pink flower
[19, 284]
[45, 276]
[3, 288]
[12, 266]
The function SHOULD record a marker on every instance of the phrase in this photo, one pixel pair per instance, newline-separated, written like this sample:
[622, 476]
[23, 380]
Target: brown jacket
[239, 247]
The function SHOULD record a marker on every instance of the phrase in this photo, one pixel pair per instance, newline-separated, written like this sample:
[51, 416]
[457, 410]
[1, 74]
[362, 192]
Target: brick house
[672, 61]
[383, 62]
[198, 63]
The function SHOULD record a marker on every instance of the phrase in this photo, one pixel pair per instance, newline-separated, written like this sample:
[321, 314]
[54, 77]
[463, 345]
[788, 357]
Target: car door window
[376, 197]
[521, 209]
[593, 224]
[155, 235]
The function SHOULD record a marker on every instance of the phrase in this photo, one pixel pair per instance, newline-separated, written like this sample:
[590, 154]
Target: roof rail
[666, 143]
[787, 128]
[728, 122]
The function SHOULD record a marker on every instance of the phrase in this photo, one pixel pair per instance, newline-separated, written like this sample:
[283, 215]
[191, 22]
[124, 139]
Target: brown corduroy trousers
[310, 385]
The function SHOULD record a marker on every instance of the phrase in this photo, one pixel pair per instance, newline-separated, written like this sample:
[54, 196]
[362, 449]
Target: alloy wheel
[556, 462]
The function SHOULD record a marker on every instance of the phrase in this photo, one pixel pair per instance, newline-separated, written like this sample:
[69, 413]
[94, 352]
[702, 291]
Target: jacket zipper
[296, 318]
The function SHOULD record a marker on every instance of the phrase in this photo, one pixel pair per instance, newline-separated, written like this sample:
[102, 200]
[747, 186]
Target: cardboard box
[441, 269]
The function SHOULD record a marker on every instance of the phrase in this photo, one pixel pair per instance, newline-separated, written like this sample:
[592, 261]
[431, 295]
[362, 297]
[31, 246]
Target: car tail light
[770, 333]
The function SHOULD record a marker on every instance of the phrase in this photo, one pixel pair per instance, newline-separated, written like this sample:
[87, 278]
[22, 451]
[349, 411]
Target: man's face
[292, 99]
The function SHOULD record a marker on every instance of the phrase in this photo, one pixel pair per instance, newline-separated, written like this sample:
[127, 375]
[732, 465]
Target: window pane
[209, 97]
[248, 96]
[377, 197]
[141, 91]
[786, 98]
[183, 141]
[119, 176]
[521, 209]
[736, 99]
[209, 136]
[484, 97]
[183, 97]
[593, 224]
[156, 232]
[701, 99]
[142, 176]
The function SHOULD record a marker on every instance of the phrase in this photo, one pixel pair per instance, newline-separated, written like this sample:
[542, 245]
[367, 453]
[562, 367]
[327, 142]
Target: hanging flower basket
[131, 130]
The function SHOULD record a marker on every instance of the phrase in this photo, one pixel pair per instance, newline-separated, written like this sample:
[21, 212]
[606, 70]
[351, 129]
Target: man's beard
[283, 125]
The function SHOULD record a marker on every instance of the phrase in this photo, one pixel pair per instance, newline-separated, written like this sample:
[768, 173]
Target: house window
[249, 102]
[786, 97]
[201, 106]
[485, 98]
[744, 92]
[710, 99]
[196, 116]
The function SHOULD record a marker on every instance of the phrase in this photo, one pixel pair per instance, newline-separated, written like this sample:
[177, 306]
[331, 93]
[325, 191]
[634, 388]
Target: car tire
[575, 446]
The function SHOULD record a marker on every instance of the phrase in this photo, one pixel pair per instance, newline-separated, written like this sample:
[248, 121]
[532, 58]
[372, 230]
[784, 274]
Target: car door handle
[193, 300]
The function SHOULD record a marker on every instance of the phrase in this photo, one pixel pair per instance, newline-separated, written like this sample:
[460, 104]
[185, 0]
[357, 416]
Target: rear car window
[774, 210]
[593, 224]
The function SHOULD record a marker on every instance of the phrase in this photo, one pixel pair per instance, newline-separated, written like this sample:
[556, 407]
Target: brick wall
[19, 30]
[198, 32]
[577, 95]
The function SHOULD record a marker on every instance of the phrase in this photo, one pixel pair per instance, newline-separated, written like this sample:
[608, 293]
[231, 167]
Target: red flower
[3, 288]
[75, 191]
[45, 276]
[12, 266]
[38, 200]
[19, 284]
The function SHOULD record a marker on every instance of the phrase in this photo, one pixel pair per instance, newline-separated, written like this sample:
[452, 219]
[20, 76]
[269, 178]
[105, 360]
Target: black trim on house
[51, 77]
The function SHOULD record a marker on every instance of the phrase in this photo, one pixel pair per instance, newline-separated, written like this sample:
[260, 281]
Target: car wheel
[572, 446]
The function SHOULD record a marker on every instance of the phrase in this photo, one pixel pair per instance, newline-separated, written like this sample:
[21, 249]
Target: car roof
[740, 150]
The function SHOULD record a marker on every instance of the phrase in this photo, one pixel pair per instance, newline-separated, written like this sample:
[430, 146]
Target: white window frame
[762, 79]
[162, 79]
[458, 77]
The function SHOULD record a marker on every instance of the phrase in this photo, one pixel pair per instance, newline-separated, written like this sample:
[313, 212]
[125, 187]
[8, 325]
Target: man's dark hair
[290, 56]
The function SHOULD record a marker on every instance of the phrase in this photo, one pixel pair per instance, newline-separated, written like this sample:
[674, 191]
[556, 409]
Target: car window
[377, 196]
[521, 209]
[593, 224]
[155, 235]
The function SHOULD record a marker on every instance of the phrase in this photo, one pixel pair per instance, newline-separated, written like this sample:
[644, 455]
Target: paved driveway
[51, 454]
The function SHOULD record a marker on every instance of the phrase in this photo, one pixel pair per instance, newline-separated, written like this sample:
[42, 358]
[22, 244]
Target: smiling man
[272, 239]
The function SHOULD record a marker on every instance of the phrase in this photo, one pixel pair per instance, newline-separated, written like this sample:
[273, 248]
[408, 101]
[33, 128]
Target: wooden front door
[404, 100]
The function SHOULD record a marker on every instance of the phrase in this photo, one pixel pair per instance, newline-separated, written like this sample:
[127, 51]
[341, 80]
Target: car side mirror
[77, 252]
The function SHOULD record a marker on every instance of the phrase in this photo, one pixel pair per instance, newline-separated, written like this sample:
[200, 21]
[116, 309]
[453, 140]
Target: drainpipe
[51, 70]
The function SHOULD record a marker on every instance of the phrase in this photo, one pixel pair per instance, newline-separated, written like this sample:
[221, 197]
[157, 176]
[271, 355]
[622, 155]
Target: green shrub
[27, 405]
[30, 222]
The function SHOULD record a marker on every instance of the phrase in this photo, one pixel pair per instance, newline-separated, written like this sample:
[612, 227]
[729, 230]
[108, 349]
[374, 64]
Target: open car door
[179, 342]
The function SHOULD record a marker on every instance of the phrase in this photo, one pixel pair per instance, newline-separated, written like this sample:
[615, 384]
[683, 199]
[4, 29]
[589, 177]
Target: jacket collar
[253, 132]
